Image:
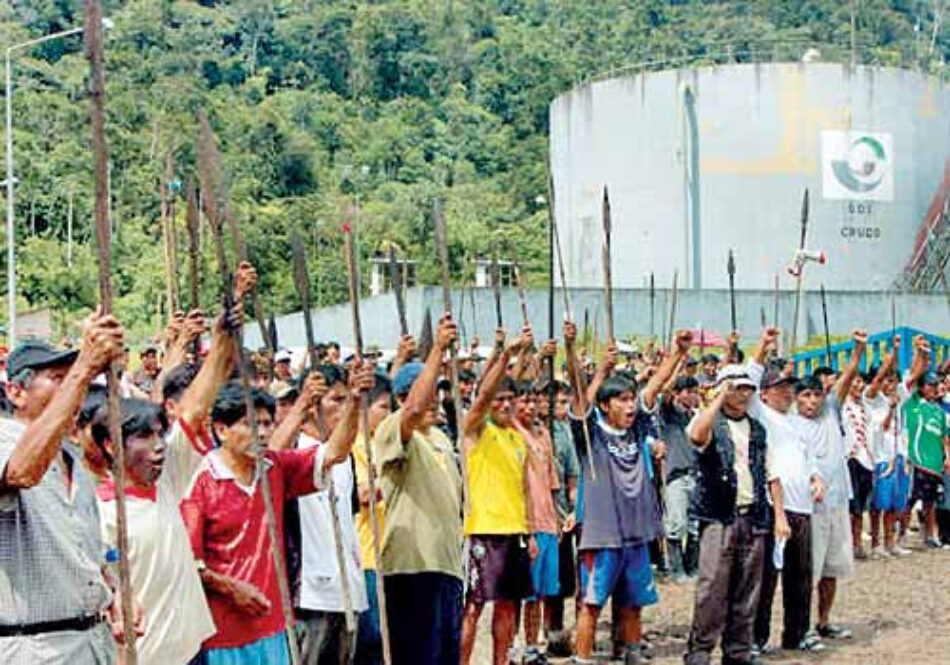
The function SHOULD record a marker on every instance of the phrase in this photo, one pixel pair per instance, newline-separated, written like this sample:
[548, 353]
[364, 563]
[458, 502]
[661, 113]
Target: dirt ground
[898, 609]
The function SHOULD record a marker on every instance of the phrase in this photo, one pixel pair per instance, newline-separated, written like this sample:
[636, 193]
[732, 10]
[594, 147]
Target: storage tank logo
[857, 166]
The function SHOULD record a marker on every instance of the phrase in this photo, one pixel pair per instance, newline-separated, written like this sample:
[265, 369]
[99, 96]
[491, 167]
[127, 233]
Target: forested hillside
[388, 102]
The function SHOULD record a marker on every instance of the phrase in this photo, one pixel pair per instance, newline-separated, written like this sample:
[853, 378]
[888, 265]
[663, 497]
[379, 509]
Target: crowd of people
[560, 483]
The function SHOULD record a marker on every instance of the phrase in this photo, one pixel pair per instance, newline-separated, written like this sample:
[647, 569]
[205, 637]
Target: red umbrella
[707, 338]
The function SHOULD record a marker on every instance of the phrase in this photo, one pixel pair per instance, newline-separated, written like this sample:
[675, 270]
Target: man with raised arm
[421, 556]
[818, 421]
[54, 596]
[499, 542]
[621, 507]
[160, 463]
[734, 478]
[800, 480]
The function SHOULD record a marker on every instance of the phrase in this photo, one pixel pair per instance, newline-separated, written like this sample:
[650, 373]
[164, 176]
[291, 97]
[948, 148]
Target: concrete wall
[709, 308]
[702, 160]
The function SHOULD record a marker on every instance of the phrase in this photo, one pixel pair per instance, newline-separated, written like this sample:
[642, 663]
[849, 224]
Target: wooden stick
[93, 44]
[496, 289]
[608, 280]
[352, 269]
[168, 234]
[568, 313]
[522, 299]
[224, 214]
[441, 241]
[673, 299]
[395, 276]
[194, 243]
[210, 193]
[824, 315]
[552, 390]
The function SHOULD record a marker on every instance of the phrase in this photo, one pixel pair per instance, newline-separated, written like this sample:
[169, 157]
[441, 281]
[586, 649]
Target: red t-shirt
[227, 525]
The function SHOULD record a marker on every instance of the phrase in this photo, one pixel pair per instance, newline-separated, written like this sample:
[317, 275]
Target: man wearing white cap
[734, 475]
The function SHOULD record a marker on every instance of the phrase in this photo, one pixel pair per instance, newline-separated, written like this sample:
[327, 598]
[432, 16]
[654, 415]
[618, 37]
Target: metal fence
[879, 345]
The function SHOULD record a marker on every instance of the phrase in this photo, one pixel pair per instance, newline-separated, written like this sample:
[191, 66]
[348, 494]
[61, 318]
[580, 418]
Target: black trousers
[727, 593]
[796, 585]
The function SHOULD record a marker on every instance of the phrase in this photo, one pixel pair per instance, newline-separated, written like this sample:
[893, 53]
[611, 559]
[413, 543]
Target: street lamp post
[11, 255]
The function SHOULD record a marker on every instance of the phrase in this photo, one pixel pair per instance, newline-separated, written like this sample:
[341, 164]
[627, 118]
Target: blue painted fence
[879, 345]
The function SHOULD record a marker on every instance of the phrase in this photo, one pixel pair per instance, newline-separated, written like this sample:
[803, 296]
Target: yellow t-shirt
[496, 465]
[364, 527]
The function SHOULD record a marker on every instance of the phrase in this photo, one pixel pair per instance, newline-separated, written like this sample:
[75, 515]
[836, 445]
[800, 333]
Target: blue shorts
[623, 573]
[266, 651]
[891, 491]
[545, 572]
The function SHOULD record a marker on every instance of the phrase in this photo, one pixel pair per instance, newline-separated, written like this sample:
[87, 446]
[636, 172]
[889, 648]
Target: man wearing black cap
[144, 378]
[798, 473]
[54, 599]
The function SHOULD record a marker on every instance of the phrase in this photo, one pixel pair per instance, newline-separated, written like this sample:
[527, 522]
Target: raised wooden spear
[169, 236]
[395, 276]
[352, 269]
[673, 299]
[608, 280]
[496, 290]
[213, 169]
[93, 42]
[441, 241]
[210, 193]
[192, 221]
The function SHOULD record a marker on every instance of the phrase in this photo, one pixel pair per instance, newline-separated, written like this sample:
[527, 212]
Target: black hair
[332, 374]
[685, 383]
[710, 358]
[177, 381]
[333, 345]
[382, 385]
[95, 398]
[812, 382]
[229, 405]
[738, 356]
[523, 388]
[823, 371]
[507, 385]
[139, 417]
[466, 375]
[614, 386]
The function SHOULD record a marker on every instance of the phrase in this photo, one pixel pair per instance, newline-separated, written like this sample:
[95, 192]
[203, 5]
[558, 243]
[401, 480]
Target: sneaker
[811, 644]
[834, 632]
[515, 656]
[860, 554]
[898, 551]
[933, 543]
[879, 554]
[559, 644]
[534, 656]
[632, 655]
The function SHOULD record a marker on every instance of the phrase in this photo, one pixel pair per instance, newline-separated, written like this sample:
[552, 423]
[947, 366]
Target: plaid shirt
[50, 559]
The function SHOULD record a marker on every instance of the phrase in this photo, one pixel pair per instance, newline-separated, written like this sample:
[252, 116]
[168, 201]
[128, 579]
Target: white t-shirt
[164, 574]
[825, 441]
[887, 444]
[792, 458]
[320, 587]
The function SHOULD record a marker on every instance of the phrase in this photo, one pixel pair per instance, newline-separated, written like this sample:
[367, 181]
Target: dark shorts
[425, 618]
[498, 568]
[567, 569]
[927, 488]
[862, 487]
